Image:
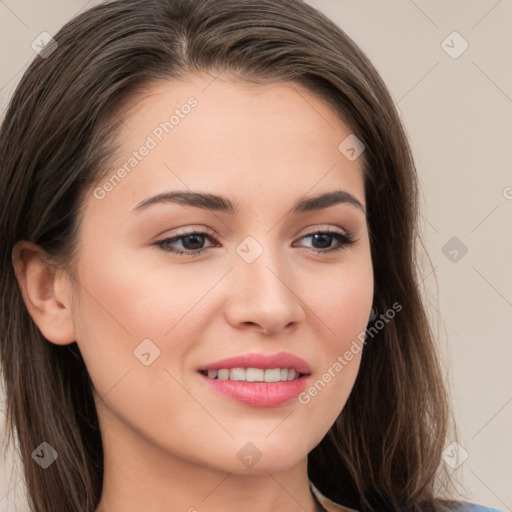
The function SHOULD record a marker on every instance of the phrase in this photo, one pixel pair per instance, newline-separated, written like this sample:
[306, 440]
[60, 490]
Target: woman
[210, 299]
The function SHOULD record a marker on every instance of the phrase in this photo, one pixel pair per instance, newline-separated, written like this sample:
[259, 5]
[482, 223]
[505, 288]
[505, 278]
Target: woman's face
[257, 284]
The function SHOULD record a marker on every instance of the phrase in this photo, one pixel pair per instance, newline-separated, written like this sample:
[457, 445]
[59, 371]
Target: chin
[257, 457]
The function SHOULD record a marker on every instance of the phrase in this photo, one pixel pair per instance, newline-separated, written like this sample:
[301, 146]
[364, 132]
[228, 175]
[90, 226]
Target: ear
[46, 292]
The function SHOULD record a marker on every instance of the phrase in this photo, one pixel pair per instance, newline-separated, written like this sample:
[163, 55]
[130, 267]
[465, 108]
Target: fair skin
[170, 440]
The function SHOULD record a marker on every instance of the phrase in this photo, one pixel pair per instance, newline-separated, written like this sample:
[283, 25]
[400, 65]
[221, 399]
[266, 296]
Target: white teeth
[237, 374]
[223, 374]
[255, 374]
[273, 375]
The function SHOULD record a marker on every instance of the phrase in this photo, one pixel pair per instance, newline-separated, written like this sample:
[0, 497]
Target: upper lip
[263, 361]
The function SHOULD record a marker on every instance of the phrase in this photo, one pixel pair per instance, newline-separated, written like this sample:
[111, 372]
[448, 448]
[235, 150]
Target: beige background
[458, 114]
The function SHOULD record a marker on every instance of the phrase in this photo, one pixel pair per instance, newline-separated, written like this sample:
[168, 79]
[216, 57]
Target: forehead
[232, 138]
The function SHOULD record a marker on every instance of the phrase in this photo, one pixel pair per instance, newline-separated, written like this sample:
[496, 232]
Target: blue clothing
[331, 506]
[473, 507]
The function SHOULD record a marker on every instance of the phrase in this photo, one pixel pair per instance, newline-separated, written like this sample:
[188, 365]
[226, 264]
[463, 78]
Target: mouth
[256, 393]
[258, 380]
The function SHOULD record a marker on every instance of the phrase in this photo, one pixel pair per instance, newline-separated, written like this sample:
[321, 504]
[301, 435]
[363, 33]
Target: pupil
[197, 240]
[322, 237]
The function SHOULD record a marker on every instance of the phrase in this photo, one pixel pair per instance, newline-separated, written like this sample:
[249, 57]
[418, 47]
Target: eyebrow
[217, 203]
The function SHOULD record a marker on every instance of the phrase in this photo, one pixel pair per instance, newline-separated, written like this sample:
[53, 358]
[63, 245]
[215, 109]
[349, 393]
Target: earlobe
[43, 293]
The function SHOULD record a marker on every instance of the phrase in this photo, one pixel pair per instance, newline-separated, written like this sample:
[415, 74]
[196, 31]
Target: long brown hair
[385, 449]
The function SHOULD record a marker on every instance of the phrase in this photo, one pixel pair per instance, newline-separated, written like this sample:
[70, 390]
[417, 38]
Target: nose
[263, 296]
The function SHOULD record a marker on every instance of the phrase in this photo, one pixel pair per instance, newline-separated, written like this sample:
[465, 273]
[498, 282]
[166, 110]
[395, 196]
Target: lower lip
[259, 394]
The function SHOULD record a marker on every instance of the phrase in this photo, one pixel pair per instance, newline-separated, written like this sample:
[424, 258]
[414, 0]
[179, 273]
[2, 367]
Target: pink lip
[280, 360]
[260, 394]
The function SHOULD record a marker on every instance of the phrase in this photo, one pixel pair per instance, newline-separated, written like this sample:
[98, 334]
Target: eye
[191, 240]
[324, 239]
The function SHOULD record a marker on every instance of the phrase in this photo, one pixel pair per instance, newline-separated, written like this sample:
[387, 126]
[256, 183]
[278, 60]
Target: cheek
[341, 297]
[141, 299]
[125, 301]
[350, 306]
[341, 303]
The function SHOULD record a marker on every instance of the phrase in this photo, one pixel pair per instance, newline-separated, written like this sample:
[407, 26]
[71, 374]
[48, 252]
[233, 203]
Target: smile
[257, 393]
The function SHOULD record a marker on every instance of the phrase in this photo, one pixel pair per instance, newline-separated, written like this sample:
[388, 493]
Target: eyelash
[345, 240]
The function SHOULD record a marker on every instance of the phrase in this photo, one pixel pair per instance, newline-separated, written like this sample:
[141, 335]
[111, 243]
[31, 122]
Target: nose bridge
[267, 275]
